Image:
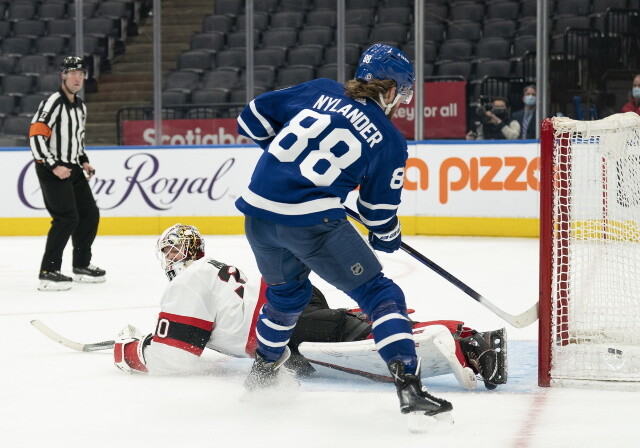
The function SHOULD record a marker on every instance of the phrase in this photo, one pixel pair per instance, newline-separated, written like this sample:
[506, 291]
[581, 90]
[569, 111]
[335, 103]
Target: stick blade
[519, 321]
[48, 332]
[527, 318]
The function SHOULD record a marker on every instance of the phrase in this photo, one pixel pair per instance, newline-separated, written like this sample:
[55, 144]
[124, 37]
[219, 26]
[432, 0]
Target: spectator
[633, 105]
[527, 116]
[56, 137]
[495, 123]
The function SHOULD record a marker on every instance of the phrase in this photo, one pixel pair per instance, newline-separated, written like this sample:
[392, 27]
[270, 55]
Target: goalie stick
[519, 320]
[48, 332]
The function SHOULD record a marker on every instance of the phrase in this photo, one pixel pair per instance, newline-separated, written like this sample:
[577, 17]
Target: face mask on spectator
[636, 92]
[530, 100]
[500, 112]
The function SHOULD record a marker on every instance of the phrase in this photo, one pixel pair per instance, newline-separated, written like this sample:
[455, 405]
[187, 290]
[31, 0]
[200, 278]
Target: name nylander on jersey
[320, 145]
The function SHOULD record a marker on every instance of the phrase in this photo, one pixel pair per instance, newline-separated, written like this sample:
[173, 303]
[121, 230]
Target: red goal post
[589, 308]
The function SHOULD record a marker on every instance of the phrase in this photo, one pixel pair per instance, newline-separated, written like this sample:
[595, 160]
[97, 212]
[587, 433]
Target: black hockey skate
[299, 365]
[264, 374]
[53, 281]
[89, 274]
[413, 397]
[487, 353]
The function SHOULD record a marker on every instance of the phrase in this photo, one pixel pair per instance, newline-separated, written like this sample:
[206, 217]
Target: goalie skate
[487, 353]
[299, 365]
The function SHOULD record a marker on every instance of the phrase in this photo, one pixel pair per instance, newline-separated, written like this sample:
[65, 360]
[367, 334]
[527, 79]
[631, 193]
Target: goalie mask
[178, 247]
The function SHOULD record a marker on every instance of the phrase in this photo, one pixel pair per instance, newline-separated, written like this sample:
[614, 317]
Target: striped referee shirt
[56, 134]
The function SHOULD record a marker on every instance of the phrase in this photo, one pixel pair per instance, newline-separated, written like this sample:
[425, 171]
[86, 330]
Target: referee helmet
[71, 63]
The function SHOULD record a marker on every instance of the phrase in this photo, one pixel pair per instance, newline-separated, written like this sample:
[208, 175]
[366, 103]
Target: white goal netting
[595, 304]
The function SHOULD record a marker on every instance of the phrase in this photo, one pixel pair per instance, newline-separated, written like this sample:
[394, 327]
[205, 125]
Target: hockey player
[322, 140]
[209, 304]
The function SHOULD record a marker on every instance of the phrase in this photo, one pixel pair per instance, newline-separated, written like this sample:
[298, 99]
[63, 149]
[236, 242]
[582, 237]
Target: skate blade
[46, 285]
[89, 279]
[419, 423]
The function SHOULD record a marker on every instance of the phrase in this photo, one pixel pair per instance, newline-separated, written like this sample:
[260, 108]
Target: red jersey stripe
[252, 339]
[193, 321]
[179, 344]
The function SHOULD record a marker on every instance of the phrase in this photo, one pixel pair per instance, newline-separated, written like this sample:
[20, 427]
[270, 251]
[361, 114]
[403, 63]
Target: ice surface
[51, 396]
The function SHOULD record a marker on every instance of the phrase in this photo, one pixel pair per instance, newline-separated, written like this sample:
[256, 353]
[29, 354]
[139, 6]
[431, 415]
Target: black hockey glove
[389, 239]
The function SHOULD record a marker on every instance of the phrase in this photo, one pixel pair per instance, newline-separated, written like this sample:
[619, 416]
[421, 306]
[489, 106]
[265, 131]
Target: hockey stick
[48, 332]
[519, 320]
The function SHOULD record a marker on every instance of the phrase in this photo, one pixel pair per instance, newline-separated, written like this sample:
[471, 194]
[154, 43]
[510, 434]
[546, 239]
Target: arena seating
[34, 37]
[489, 43]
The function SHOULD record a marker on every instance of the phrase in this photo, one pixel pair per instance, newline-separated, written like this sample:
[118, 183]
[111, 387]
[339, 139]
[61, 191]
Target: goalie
[209, 304]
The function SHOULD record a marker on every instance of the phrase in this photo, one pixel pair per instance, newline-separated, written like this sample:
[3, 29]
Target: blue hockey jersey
[320, 145]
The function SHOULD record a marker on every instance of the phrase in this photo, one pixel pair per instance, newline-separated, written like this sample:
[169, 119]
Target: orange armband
[39, 128]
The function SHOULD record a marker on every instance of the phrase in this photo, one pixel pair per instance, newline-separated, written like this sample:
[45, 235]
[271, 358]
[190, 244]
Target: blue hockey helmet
[384, 62]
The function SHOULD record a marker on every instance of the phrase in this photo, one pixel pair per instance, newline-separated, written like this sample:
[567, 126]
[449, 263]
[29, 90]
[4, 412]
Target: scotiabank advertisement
[461, 179]
[218, 131]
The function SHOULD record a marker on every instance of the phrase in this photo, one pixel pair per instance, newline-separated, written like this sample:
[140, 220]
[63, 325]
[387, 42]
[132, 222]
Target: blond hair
[373, 89]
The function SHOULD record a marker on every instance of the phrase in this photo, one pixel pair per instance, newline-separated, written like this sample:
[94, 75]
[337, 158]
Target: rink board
[450, 188]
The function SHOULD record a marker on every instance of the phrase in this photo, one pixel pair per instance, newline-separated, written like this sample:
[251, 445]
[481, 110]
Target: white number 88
[302, 135]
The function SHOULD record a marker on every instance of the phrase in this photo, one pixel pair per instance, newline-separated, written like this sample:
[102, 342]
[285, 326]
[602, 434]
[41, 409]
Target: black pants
[75, 214]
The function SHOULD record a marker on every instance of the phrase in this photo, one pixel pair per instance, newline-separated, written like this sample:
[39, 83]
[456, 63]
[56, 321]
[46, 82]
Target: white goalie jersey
[208, 305]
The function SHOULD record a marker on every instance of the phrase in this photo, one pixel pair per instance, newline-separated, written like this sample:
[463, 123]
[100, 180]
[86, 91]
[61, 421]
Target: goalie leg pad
[445, 343]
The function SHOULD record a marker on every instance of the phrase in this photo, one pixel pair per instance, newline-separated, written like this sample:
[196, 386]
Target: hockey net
[590, 252]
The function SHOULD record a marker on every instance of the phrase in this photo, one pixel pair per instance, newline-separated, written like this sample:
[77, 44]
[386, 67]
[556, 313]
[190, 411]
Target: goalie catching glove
[128, 351]
[388, 239]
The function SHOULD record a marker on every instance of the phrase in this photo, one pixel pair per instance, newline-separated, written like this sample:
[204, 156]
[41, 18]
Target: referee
[56, 137]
